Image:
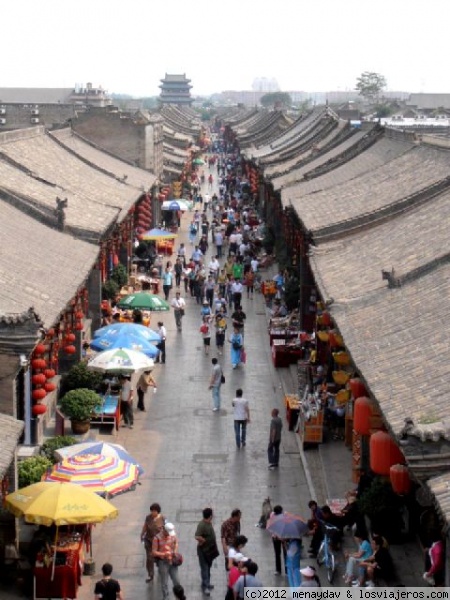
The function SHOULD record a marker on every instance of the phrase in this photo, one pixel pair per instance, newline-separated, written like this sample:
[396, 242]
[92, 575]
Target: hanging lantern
[38, 394]
[384, 453]
[335, 339]
[49, 387]
[70, 337]
[400, 479]
[326, 319]
[362, 414]
[38, 379]
[51, 333]
[39, 409]
[49, 373]
[357, 388]
[79, 315]
[70, 349]
[115, 260]
[40, 349]
[79, 326]
[37, 364]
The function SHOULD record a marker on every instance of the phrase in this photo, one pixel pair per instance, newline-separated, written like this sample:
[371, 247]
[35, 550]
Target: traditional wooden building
[175, 89]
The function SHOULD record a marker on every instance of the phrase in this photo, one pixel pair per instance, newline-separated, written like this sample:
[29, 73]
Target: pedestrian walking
[278, 545]
[164, 547]
[126, 401]
[236, 341]
[249, 280]
[107, 588]
[215, 383]
[210, 285]
[144, 383]
[236, 289]
[179, 305]
[207, 550]
[293, 555]
[241, 415]
[178, 268]
[229, 530]
[273, 450]
[248, 579]
[205, 330]
[221, 327]
[167, 282]
[161, 345]
[153, 524]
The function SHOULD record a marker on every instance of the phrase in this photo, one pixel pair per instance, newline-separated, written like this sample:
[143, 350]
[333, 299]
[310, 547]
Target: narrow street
[190, 457]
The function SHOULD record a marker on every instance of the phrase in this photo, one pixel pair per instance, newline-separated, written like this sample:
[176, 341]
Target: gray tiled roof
[35, 95]
[296, 174]
[397, 337]
[365, 184]
[11, 429]
[39, 266]
[36, 168]
[136, 178]
[440, 487]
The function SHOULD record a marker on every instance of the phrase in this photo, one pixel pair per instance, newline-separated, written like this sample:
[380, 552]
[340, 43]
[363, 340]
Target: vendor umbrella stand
[48, 503]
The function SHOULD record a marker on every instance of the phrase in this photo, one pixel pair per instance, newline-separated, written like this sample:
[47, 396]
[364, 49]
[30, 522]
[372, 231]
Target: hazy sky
[314, 45]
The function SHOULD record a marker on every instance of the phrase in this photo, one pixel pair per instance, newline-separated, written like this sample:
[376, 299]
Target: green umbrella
[143, 301]
[198, 161]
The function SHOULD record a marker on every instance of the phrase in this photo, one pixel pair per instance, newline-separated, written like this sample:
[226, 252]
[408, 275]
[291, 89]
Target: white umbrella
[179, 204]
[120, 360]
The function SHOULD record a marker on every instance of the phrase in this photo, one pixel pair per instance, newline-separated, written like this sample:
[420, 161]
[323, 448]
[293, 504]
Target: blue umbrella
[132, 329]
[126, 342]
[97, 447]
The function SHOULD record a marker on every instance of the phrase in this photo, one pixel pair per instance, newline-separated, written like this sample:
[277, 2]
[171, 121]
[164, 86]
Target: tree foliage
[276, 99]
[370, 84]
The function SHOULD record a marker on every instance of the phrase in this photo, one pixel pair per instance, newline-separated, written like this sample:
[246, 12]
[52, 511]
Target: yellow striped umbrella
[104, 475]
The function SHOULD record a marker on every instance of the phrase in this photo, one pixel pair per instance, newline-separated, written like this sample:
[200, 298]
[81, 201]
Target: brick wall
[121, 136]
[19, 116]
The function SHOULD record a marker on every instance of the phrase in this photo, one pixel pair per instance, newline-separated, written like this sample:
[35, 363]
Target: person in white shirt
[241, 415]
[254, 265]
[218, 241]
[178, 305]
[162, 344]
[214, 266]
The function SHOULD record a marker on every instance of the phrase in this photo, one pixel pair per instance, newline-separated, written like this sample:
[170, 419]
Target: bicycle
[325, 555]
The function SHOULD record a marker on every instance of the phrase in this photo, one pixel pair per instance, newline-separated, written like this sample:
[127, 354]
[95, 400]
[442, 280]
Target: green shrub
[79, 376]
[119, 275]
[79, 405]
[61, 441]
[110, 289]
[31, 469]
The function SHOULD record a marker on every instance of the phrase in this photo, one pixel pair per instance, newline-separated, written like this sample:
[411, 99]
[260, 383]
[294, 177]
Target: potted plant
[31, 469]
[79, 406]
[49, 447]
[79, 376]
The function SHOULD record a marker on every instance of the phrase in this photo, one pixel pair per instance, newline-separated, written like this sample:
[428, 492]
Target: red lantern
[384, 453]
[49, 387]
[79, 315]
[79, 326]
[70, 337]
[49, 373]
[357, 388]
[38, 394]
[400, 479]
[39, 409]
[38, 379]
[38, 364]
[51, 333]
[326, 319]
[70, 349]
[115, 260]
[361, 416]
[40, 349]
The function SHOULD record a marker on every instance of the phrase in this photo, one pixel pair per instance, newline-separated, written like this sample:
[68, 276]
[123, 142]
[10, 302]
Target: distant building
[429, 101]
[175, 89]
[51, 107]
[264, 84]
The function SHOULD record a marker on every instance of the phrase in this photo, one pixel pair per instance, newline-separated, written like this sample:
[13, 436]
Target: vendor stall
[310, 423]
[69, 560]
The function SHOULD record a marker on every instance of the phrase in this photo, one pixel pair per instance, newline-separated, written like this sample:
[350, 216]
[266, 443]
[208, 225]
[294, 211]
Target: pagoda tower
[175, 89]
